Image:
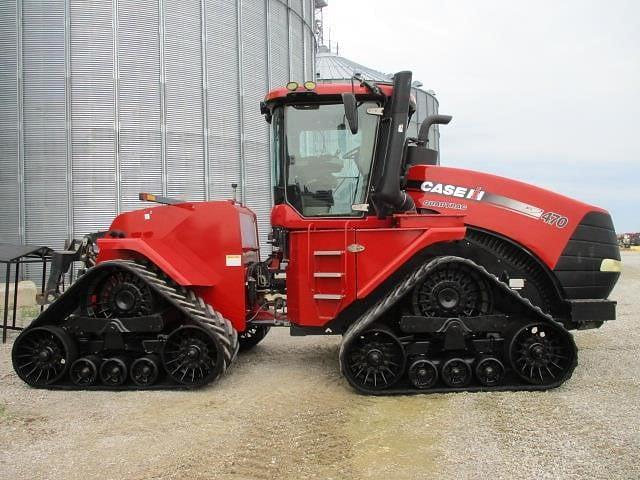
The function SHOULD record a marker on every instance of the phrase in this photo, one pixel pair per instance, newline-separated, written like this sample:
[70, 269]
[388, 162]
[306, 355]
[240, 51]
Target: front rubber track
[520, 308]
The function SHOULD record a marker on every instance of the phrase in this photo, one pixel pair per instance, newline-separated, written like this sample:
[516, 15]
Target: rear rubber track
[193, 308]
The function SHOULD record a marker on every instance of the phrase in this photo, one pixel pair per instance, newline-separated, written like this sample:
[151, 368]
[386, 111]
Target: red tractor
[438, 279]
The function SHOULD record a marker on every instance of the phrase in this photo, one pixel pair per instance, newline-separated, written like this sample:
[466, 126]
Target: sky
[546, 92]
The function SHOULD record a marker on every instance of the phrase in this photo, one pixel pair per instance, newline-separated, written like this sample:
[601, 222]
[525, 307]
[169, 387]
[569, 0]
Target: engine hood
[538, 219]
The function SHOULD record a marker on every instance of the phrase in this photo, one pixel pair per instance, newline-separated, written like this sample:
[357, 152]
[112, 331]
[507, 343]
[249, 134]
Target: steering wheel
[352, 154]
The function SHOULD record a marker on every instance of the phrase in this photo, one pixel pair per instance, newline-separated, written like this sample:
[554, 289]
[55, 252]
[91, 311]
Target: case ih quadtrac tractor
[438, 279]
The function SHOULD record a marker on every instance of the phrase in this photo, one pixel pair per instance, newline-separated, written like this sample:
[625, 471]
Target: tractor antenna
[234, 186]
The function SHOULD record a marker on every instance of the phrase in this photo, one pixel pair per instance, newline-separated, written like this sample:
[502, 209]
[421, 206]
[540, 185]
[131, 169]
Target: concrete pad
[26, 294]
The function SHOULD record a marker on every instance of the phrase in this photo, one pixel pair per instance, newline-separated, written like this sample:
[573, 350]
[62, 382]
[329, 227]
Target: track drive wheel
[118, 294]
[542, 354]
[252, 336]
[452, 290]
[374, 360]
[42, 355]
[192, 356]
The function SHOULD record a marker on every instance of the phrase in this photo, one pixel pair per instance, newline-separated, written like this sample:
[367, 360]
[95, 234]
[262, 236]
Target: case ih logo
[453, 190]
[479, 195]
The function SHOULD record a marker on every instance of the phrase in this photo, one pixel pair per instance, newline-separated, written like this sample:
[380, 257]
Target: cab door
[321, 277]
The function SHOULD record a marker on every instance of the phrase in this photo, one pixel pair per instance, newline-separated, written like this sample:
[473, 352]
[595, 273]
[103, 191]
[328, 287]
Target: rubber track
[404, 287]
[194, 307]
[183, 299]
[520, 260]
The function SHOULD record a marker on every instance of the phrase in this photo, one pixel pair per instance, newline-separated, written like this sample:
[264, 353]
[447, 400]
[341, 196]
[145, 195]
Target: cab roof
[328, 89]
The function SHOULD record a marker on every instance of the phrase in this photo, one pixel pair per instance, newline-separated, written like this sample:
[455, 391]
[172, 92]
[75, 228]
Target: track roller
[145, 371]
[42, 355]
[85, 371]
[456, 373]
[423, 373]
[113, 371]
[490, 371]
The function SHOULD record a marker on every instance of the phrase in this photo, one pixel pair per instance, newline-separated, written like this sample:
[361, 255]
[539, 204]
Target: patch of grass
[24, 315]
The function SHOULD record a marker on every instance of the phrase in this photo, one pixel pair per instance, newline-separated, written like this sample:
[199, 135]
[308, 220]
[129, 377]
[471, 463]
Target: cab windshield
[326, 167]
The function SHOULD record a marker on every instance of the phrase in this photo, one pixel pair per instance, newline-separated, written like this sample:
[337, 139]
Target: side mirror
[266, 111]
[351, 111]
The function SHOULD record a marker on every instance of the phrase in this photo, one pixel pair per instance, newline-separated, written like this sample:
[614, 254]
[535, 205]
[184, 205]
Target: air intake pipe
[388, 195]
[418, 151]
[438, 119]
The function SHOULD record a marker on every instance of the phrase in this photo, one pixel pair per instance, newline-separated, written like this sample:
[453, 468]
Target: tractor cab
[339, 150]
[323, 149]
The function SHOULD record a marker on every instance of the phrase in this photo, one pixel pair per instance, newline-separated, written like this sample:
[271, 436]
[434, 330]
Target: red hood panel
[538, 219]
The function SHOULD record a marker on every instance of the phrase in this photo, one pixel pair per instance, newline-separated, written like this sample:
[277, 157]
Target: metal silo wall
[185, 152]
[223, 98]
[102, 100]
[10, 155]
[140, 164]
[45, 90]
[93, 182]
[255, 82]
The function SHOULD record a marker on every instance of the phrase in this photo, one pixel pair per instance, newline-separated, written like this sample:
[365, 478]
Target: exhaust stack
[388, 195]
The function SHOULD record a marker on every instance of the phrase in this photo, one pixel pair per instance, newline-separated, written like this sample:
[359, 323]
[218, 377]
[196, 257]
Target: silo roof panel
[330, 66]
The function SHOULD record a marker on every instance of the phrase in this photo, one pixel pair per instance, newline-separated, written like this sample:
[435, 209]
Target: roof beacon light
[310, 85]
[292, 86]
[147, 197]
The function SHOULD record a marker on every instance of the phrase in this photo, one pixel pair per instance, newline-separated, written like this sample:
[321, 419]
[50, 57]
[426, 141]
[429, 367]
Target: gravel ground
[285, 412]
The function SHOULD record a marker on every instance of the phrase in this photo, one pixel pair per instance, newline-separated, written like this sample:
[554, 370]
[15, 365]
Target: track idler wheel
[375, 360]
[423, 374]
[113, 371]
[85, 371]
[490, 371]
[456, 373]
[253, 335]
[42, 355]
[145, 370]
[192, 356]
[542, 354]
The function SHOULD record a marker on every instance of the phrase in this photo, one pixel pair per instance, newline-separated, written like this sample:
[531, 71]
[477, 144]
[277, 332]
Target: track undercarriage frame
[473, 334]
[103, 341]
[511, 345]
